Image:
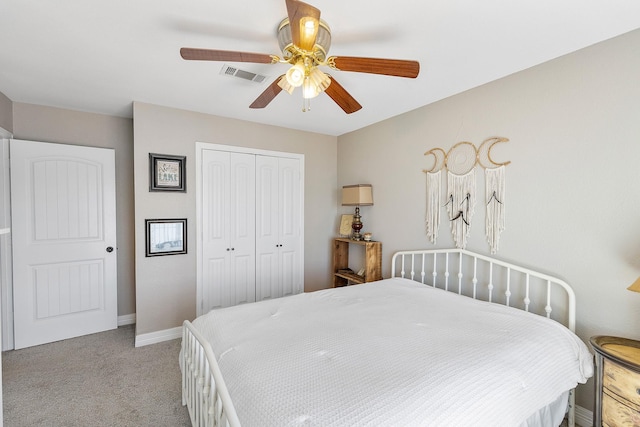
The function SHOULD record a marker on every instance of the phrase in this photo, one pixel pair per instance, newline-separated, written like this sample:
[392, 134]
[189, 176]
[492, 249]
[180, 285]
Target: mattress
[392, 352]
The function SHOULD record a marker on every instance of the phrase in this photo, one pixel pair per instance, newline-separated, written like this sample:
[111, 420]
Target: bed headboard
[488, 279]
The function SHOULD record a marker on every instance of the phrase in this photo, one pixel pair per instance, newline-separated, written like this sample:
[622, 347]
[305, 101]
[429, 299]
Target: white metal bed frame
[204, 391]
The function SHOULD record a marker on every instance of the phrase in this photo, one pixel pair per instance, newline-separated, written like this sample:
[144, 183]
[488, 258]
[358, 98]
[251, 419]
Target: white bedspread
[391, 353]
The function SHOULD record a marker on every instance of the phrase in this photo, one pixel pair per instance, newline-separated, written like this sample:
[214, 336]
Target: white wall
[573, 187]
[166, 286]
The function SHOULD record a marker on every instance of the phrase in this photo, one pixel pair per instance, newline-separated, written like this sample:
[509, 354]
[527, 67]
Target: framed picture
[345, 225]
[166, 236]
[167, 173]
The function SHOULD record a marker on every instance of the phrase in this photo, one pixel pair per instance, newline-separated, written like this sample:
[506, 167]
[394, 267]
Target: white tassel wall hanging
[461, 203]
[461, 190]
[494, 197]
[434, 194]
[494, 183]
[432, 220]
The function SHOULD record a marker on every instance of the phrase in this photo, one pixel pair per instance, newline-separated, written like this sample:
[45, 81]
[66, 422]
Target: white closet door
[278, 222]
[228, 229]
[289, 226]
[267, 236]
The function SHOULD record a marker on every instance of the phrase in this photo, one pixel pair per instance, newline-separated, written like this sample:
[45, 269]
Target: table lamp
[357, 195]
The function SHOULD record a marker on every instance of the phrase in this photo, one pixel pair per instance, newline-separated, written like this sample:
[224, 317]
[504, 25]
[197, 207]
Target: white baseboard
[158, 336]
[127, 319]
[584, 417]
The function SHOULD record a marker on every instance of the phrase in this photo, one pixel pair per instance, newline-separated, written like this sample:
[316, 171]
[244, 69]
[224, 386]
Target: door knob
[109, 249]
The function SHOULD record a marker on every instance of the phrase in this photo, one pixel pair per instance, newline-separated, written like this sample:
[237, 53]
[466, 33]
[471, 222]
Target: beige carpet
[97, 380]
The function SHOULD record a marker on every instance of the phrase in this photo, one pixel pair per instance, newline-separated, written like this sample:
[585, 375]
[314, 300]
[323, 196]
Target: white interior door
[64, 241]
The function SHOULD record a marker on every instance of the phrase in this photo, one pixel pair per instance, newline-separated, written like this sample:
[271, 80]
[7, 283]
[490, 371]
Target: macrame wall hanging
[494, 188]
[434, 186]
[460, 163]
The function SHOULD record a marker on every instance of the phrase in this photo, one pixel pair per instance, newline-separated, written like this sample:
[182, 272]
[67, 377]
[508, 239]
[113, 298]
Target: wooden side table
[372, 262]
[617, 381]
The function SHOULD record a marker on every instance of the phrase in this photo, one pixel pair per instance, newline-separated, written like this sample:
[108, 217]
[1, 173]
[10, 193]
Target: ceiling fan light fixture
[319, 79]
[284, 84]
[321, 47]
[309, 88]
[295, 75]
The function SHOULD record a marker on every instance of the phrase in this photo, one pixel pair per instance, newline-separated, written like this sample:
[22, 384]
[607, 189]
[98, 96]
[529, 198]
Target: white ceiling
[101, 55]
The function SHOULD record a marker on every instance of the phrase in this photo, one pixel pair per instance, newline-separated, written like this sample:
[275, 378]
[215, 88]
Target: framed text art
[166, 237]
[167, 173]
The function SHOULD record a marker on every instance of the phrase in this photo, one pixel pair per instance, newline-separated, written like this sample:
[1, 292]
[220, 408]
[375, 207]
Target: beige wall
[47, 124]
[6, 113]
[573, 187]
[166, 286]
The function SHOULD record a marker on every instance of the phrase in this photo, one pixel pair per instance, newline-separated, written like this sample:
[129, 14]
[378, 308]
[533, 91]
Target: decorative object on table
[434, 193]
[460, 163]
[345, 225]
[166, 237]
[167, 173]
[367, 237]
[357, 195]
[617, 381]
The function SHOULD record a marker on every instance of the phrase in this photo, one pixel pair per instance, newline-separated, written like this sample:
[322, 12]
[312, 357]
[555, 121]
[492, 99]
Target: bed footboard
[203, 389]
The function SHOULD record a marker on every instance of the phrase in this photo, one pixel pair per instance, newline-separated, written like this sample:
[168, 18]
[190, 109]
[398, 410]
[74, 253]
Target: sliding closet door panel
[289, 226]
[215, 232]
[279, 270]
[267, 243]
[228, 224]
[243, 226]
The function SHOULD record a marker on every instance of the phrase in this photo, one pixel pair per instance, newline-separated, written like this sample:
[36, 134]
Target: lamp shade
[357, 195]
[635, 286]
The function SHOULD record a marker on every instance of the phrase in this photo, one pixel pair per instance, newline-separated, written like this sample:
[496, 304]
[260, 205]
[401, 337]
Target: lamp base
[356, 225]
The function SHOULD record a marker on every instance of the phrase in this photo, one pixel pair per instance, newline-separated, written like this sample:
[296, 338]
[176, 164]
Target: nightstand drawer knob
[638, 390]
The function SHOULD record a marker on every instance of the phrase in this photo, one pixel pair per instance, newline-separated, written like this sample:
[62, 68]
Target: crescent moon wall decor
[484, 152]
[460, 162]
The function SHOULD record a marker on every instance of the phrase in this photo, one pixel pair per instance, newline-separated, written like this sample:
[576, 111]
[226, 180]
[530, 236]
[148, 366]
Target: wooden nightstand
[617, 382]
[372, 262]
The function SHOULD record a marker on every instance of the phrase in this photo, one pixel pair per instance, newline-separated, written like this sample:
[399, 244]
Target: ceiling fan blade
[226, 55]
[267, 96]
[342, 97]
[304, 21]
[388, 67]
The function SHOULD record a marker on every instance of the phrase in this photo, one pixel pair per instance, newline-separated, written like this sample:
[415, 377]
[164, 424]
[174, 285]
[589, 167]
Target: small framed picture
[345, 225]
[167, 173]
[166, 236]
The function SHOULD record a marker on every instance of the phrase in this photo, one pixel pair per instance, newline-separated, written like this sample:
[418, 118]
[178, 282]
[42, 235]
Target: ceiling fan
[305, 40]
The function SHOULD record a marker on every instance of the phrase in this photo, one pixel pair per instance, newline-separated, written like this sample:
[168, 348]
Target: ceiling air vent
[242, 74]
